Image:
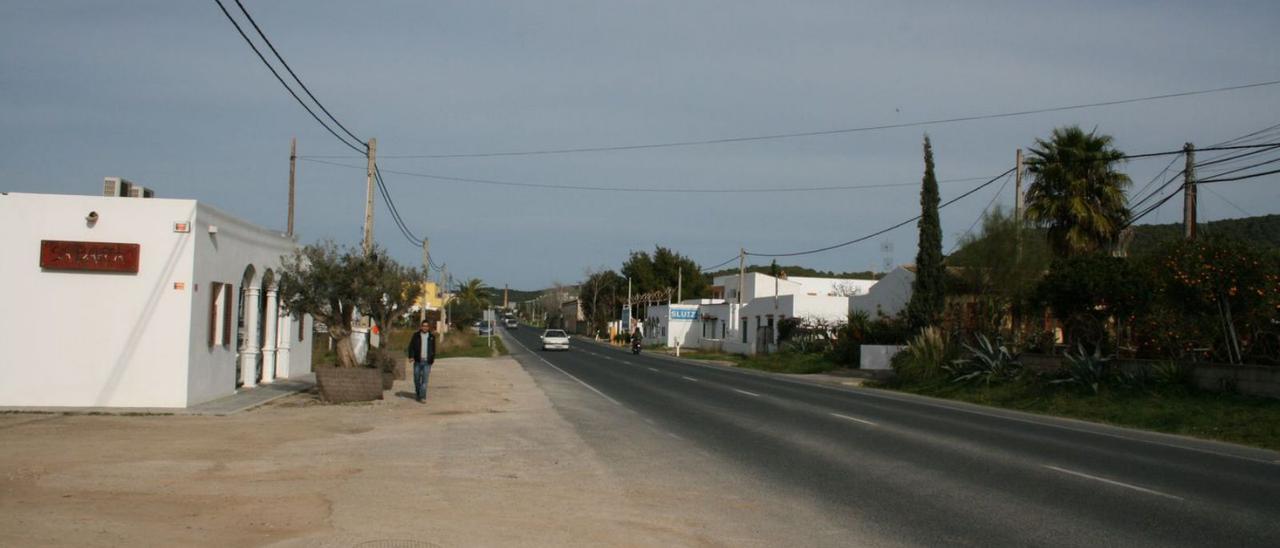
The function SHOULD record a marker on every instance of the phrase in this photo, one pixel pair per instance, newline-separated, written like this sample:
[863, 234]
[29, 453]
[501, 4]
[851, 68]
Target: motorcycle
[635, 346]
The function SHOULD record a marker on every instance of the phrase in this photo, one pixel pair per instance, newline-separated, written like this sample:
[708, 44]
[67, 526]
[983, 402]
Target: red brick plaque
[93, 256]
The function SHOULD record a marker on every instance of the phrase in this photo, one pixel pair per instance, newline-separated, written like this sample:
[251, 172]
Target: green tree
[600, 294]
[998, 271]
[330, 283]
[469, 302]
[663, 270]
[928, 291]
[398, 287]
[1085, 291]
[1077, 194]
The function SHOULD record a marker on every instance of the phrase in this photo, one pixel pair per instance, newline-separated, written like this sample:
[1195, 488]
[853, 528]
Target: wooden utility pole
[446, 280]
[1189, 193]
[679, 285]
[426, 275]
[293, 162]
[368, 201]
[742, 271]
[1019, 201]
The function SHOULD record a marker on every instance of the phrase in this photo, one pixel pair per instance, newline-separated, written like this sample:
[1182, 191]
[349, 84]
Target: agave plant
[988, 361]
[1086, 370]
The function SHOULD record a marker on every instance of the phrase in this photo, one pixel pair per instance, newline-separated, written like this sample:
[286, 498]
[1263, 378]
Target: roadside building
[573, 317]
[139, 302]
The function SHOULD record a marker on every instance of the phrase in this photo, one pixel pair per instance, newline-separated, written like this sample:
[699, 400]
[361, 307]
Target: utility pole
[742, 271]
[1189, 193]
[444, 277]
[1019, 201]
[293, 161]
[426, 272]
[679, 285]
[368, 201]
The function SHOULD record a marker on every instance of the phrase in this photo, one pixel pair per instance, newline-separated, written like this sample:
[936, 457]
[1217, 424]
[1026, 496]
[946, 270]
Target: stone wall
[347, 384]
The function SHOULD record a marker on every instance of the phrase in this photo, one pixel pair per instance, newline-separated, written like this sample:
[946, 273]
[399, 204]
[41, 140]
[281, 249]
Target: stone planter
[388, 379]
[877, 356]
[348, 384]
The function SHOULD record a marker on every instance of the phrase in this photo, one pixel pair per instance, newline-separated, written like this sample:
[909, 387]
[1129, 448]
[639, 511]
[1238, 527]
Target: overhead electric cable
[1239, 178]
[884, 230]
[676, 190]
[294, 74]
[712, 268]
[778, 136]
[994, 197]
[281, 80]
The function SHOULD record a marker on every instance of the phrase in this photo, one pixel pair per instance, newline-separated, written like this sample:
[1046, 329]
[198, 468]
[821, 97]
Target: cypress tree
[927, 292]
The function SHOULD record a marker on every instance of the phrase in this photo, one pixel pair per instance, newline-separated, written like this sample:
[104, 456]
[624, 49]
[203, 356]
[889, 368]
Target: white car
[555, 339]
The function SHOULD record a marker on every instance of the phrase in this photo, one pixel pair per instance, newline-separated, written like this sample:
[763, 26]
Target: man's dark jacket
[415, 347]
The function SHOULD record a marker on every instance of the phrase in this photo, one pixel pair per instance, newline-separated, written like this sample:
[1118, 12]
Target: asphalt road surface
[920, 471]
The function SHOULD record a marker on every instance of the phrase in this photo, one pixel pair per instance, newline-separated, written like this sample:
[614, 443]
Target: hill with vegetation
[794, 270]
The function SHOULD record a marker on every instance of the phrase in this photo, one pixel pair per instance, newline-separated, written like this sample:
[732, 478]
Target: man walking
[422, 350]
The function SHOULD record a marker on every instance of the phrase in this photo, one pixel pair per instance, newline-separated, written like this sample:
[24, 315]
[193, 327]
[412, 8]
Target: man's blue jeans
[421, 370]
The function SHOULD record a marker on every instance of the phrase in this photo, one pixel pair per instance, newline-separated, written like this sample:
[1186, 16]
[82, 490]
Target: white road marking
[747, 393]
[567, 374]
[652, 369]
[1112, 482]
[854, 419]
[676, 436]
[690, 379]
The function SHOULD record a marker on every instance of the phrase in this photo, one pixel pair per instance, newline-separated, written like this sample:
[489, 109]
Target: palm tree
[473, 292]
[1077, 193]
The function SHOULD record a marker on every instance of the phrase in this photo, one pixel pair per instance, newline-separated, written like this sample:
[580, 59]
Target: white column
[269, 336]
[249, 357]
[285, 344]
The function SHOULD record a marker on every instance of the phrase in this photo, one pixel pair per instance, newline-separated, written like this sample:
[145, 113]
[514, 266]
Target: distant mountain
[1263, 230]
[793, 270]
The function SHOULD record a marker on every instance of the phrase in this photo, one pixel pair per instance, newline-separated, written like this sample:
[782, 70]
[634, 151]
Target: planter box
[877, 356]
[348, 384]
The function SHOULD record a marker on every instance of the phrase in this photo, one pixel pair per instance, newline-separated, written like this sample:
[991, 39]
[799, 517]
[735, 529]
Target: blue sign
[684, 313]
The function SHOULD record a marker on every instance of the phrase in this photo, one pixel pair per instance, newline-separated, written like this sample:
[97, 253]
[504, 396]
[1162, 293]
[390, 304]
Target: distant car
[555, 339]
[485, 329]
[512, 323]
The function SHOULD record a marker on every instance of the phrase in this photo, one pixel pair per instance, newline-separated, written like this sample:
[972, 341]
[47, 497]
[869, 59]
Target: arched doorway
[247, 314]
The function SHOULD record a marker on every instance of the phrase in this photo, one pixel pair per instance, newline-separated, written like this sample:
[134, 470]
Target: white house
[721, 323]
[139, 302]
[889, 296]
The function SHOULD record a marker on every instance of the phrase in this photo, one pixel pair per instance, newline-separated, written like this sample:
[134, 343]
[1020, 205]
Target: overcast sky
[168, 95]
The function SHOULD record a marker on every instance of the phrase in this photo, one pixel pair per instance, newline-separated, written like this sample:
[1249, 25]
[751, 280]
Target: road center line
[747, 393]
[652, 369]
[690, 379]
[854, 419]
[1111, 482]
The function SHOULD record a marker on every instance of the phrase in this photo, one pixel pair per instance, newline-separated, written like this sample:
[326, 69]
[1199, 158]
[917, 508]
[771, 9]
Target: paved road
[920, 471]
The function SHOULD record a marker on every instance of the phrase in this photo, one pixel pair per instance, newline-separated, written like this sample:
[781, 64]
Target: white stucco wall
[224, 257]
[888, 296]
[74, 338]
[77, 338]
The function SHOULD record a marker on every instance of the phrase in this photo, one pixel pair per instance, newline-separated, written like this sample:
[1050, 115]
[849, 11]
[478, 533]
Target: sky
[168, 95]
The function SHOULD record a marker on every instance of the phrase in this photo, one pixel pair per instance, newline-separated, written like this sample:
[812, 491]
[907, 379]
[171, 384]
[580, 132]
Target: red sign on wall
[93, 256]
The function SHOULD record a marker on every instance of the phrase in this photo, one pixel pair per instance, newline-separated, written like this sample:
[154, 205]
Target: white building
[721, 324]
[139, 302]
[889, 296]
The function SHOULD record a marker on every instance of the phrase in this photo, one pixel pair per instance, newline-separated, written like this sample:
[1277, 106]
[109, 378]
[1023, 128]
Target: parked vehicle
[485, 329]
[512, 323]
[555, 339]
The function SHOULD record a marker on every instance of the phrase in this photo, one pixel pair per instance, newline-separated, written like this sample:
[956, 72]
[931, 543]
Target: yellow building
[433, 298]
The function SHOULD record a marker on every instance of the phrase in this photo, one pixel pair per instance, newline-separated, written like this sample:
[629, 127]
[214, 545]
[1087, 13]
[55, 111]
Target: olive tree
[329, 283]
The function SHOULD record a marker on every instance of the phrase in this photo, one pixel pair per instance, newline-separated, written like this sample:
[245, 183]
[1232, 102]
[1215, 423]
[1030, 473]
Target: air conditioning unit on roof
[116, 187]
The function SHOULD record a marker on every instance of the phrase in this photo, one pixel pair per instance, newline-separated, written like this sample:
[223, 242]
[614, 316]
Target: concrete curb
[244, 400]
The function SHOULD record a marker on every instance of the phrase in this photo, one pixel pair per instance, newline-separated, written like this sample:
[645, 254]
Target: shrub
[924, 357]
[1173, 374]
[988, 362]
[384, 360]
[1088, 371]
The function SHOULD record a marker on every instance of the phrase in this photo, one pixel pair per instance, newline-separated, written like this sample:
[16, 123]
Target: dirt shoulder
[487, 461]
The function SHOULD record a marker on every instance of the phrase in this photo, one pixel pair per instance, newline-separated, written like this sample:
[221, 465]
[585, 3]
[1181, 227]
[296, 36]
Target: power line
[712, 268]
[1237, 170]
[281, 80]
[1240, 178]
[1229, 202]
[640, 190]
[778, 136]
[295, 75]
[882, 231]
[994, 197]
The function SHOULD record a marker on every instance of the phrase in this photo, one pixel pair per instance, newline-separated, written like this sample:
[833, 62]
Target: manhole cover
[396, 544]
